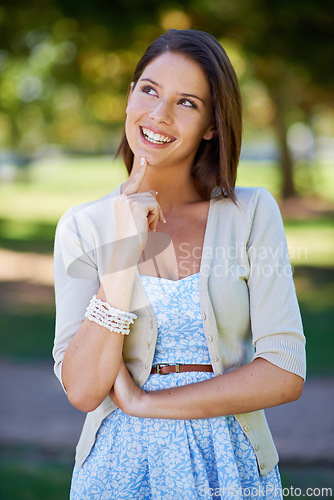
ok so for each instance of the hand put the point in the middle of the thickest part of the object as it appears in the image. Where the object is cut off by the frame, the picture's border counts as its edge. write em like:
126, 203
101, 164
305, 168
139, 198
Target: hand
137, 213
125, 393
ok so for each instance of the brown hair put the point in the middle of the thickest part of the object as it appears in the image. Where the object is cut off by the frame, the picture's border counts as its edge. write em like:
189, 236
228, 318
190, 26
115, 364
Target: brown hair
216, 161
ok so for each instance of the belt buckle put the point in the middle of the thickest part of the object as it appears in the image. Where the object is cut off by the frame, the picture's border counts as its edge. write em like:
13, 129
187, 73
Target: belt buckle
159, 368
177, 368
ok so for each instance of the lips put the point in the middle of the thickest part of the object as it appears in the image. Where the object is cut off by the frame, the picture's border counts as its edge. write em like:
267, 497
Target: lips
155, 137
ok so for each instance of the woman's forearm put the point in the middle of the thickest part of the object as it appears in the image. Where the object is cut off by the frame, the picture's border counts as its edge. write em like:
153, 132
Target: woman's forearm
257, 385
92, 358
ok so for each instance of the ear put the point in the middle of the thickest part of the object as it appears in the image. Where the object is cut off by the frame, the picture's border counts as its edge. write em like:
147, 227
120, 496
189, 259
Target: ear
210, 133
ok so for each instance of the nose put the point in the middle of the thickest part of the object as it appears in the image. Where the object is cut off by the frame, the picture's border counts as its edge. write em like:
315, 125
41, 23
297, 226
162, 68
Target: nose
161, 112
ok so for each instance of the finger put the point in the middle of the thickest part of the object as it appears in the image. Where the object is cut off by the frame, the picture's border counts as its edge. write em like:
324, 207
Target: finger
144, 196
154, 216
152, 221
161, 217
158, 216
137, 179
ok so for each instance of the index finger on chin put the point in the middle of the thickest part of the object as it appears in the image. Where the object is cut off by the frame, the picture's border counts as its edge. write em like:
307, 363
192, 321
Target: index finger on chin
137, 179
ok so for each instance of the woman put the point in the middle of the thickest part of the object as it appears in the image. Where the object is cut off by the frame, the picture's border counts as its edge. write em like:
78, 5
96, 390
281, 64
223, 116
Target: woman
165, 287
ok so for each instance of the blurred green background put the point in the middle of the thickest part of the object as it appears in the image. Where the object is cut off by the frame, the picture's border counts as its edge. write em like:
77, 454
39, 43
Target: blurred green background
65, 67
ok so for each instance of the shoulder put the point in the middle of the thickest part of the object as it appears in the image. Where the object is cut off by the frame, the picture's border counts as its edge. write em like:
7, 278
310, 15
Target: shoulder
81, 231
91, 211
248, 200
251, 197
255, 213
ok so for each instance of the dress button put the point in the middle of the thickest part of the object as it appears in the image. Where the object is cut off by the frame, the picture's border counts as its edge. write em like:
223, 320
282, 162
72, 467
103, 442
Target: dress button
262, 466
204, 316
152, 324
215, 358
210, 339
145, 365
247, 428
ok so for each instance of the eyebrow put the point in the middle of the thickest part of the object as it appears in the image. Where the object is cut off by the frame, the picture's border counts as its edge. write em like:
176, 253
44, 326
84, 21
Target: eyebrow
180, 93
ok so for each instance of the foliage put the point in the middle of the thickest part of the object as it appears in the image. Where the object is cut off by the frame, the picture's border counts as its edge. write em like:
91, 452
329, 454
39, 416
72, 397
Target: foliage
65, 65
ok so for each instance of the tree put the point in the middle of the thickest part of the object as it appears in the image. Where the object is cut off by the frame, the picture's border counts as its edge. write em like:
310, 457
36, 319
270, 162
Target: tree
65, 65
290, 48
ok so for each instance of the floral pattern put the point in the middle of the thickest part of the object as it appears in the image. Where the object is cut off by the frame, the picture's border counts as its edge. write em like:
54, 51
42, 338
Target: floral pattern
161, 459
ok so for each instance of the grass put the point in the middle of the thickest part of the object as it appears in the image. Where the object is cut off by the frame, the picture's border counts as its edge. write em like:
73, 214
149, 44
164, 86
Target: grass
21, 480
52, 186
301, 478
32, 335
27, 235
36, 480
55, 185
311, 242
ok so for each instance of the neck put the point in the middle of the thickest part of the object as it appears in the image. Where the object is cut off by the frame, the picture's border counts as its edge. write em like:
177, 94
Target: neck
175, 186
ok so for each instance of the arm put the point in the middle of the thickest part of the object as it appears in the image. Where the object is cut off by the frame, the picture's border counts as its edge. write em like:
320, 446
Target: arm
93, 353
255, 386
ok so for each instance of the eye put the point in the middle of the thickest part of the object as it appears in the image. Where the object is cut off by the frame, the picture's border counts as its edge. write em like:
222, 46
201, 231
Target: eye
187, 103
147, 89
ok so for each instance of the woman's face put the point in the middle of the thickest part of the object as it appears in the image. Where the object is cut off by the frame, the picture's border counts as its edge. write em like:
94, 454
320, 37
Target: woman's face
169, 111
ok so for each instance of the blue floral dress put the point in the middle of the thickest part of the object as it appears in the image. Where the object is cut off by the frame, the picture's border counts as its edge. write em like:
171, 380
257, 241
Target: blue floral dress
161, 459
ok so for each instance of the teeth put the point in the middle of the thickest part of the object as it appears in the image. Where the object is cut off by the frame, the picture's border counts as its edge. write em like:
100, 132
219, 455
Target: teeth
155, 138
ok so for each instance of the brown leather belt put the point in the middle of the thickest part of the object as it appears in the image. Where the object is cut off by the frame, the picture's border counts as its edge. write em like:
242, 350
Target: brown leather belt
165, 368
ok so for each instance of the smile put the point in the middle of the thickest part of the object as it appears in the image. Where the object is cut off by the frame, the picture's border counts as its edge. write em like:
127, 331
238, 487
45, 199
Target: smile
155, 138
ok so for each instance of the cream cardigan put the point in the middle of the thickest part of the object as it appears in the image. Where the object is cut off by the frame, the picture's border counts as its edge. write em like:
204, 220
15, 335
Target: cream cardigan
247, 298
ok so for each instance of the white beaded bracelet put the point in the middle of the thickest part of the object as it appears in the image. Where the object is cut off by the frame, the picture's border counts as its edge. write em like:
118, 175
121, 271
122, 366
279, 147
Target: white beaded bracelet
109, 317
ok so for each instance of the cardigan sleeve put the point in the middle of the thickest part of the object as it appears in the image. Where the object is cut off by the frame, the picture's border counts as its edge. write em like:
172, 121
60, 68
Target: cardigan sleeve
274, 312
76, 280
